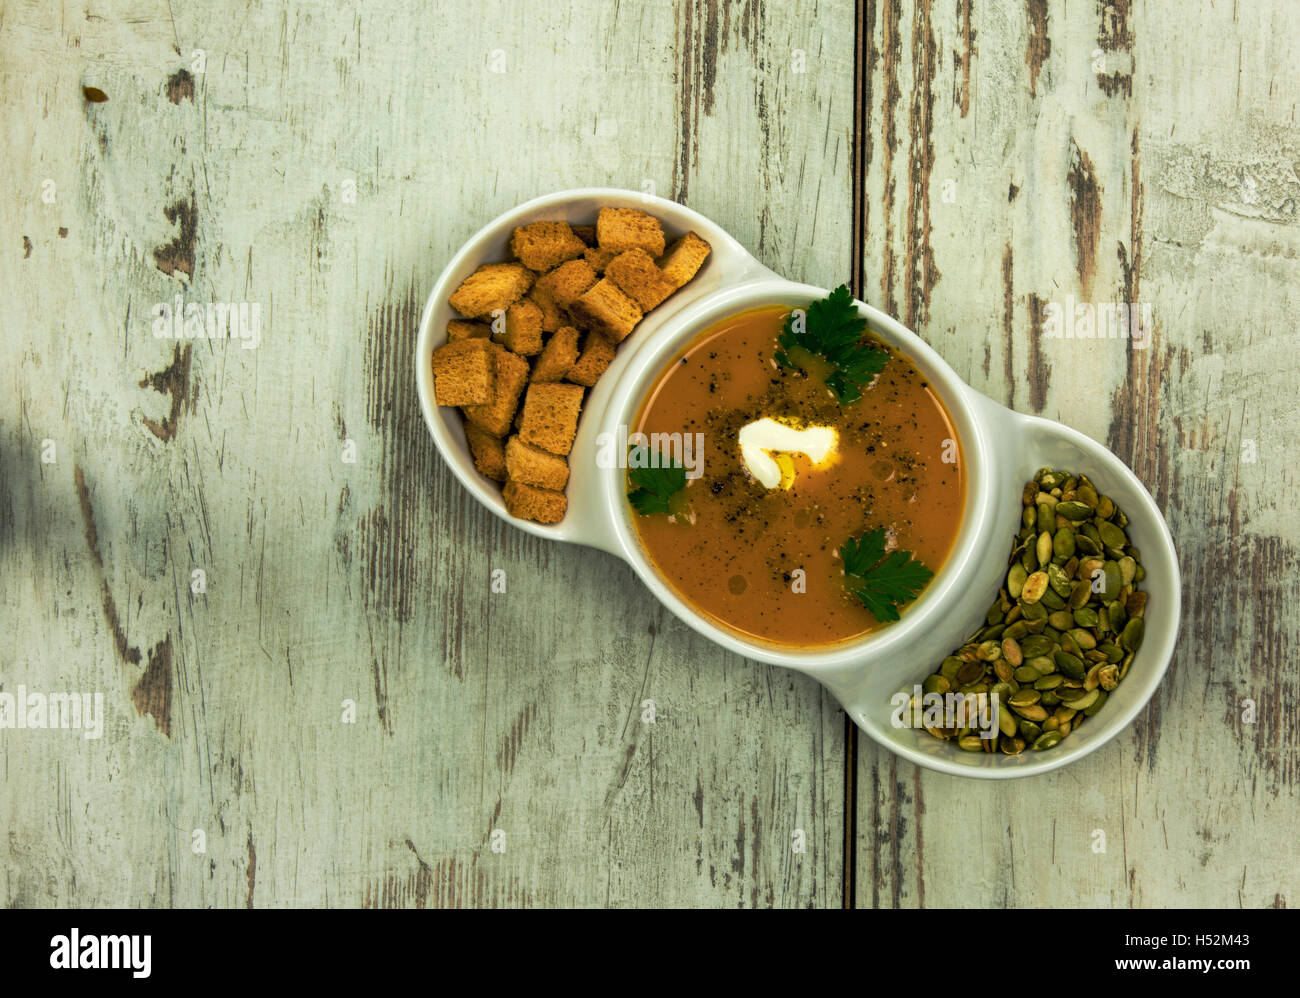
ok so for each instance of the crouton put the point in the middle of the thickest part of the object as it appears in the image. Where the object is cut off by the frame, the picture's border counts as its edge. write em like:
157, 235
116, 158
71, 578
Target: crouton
521, 328
539, 505
567, 281
553, 317
529, 465
605, 309
512, 374
637, 276
543, 245
598, 258
622, 229
587, 233
597, 352
550, 417
463, 373
458, 329
488, 452
493, 286
683, 259
558, 356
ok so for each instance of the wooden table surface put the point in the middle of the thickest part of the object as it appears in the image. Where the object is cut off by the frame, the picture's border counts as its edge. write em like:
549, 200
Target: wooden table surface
312, 694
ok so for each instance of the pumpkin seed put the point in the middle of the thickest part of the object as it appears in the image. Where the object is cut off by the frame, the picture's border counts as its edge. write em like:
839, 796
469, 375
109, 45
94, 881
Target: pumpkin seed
1133, 633
936, 684
1031, 712
1035, 586
1112, 536
1063, 631
1044, 548
1073, 510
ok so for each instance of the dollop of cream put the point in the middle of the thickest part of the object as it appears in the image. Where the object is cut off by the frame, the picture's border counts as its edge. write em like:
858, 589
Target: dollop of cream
764, 437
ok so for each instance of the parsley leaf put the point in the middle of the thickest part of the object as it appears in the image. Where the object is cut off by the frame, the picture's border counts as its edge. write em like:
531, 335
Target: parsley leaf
833, 331
882, 582
655, 487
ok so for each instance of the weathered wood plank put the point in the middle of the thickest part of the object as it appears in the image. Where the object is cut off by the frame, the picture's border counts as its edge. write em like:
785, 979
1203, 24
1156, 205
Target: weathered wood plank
1107, 152
329, 581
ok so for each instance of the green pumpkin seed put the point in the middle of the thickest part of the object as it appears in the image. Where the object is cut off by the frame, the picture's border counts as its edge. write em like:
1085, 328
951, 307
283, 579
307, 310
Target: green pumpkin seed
1069, 665
1051, 600
1073, 510
936, 684
1063, 632
1032, 712
1061, 620
1044, 548
1134, 630
1035, 645
1110, 571
1063, 545
1112, 536
1043, 665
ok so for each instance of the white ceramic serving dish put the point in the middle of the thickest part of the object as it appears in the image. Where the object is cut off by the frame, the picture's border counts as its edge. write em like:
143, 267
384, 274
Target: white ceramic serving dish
1002, 450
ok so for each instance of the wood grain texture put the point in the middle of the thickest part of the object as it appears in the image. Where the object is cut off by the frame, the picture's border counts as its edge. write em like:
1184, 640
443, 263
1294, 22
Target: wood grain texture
477, 712
997, 157
1105, 151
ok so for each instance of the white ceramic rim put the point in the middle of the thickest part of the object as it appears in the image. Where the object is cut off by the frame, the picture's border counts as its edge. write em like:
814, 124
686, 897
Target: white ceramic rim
731, 281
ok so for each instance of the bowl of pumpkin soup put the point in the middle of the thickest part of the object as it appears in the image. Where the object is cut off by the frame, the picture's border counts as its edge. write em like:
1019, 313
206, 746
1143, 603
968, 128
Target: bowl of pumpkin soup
805, 481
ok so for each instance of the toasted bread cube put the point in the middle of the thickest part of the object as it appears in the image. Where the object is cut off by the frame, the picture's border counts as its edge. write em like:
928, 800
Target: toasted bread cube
459, 329
558, 356
622, 229
553, 317
530, 465
567, 281
463, 373
606, 310
488, 452
683, 259
637, 276
550, 417
539, 505
493, 286
522, 328
587, 233
597, 353
598, 258
543, 245
512, 375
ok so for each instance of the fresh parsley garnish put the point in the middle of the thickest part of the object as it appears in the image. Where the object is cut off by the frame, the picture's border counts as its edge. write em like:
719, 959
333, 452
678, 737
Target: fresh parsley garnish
655, 487
882, 582
833, 331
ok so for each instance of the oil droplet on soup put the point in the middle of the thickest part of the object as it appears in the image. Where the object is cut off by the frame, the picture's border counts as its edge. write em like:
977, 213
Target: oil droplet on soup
765, 563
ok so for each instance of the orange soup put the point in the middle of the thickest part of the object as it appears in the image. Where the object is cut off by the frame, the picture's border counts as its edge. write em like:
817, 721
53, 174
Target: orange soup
767, 560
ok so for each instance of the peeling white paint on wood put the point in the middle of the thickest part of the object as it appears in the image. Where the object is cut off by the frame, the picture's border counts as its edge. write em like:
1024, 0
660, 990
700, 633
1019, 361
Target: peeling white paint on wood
323, 164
